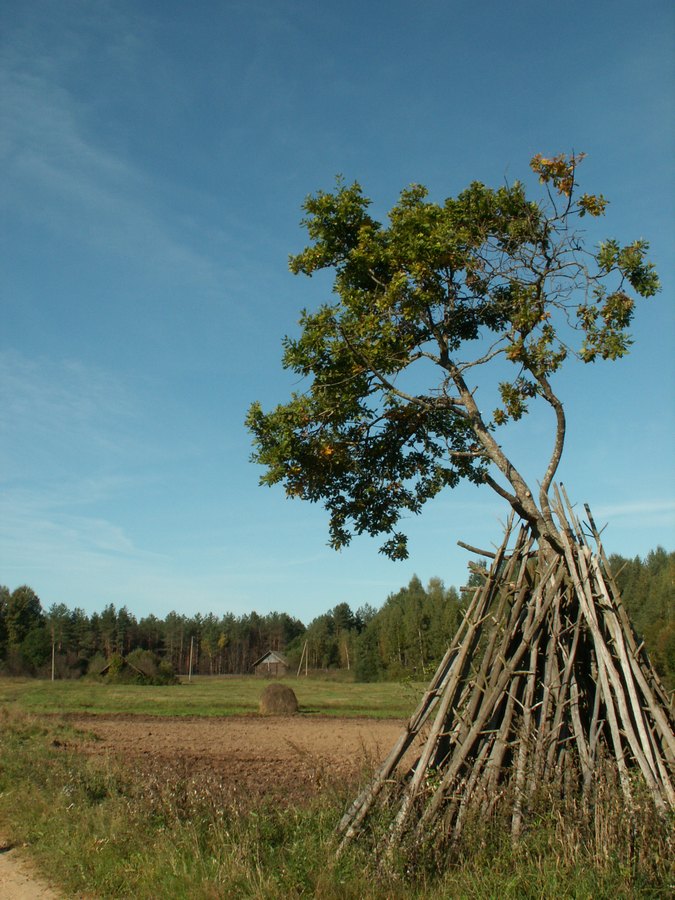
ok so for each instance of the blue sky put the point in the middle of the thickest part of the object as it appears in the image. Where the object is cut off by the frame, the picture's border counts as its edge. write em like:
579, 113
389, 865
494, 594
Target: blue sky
155, 157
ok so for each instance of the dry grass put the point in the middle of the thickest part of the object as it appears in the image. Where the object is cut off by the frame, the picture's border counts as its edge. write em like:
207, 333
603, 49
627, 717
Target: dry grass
100, 828
278, 700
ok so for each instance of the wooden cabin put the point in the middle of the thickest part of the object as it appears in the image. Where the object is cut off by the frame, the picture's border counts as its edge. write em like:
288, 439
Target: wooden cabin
271, 665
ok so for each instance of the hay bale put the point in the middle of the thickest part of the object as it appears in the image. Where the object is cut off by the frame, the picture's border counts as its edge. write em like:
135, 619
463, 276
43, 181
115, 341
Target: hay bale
278, 700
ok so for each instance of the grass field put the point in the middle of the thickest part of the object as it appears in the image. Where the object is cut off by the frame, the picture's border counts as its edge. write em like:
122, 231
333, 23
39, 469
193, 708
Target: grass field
103, 829
208, 696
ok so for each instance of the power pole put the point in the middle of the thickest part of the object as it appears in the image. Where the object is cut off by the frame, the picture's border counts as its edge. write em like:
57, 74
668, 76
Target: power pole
304, 650
192, 644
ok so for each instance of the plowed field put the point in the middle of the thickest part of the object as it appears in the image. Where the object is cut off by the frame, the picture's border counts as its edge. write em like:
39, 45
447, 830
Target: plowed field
283, 759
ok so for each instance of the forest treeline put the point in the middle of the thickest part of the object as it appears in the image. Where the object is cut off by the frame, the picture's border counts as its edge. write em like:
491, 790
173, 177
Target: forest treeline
405, 637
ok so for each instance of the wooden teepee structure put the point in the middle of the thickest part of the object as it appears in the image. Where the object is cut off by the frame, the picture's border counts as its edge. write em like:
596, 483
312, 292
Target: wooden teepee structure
544, 684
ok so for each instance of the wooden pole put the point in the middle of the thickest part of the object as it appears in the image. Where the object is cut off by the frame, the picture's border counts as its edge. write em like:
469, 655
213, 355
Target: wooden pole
192, 644
302, 656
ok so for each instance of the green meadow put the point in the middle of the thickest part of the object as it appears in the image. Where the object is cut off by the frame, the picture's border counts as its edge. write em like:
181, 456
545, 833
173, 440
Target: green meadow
98, 829
207, 696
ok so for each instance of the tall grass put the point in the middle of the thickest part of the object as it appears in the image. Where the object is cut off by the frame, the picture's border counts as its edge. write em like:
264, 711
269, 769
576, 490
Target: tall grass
107, 830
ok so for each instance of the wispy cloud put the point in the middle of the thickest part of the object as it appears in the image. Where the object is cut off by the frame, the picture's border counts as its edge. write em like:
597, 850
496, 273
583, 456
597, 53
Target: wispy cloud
56, 414
39, 533
637, 510
57, 176
67, 433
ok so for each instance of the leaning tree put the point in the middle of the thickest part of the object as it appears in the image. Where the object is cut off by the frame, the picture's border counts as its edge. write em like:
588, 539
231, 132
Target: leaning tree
545, 683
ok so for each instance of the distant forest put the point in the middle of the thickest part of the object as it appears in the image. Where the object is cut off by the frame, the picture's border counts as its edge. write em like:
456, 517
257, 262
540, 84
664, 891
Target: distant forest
405, 638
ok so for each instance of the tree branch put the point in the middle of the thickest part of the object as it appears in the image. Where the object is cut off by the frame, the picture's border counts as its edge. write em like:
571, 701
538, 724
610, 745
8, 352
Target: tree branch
559, 443
521, 501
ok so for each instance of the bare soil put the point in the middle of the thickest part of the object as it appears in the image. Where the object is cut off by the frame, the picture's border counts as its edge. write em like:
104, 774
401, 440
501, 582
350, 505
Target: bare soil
18, 880
279, 758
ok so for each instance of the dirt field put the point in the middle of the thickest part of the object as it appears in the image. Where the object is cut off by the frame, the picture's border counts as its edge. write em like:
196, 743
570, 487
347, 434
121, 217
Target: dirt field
246, 760
276, 758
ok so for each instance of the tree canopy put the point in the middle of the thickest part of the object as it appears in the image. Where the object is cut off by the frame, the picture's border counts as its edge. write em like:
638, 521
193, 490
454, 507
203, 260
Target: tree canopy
488, 281
406, 635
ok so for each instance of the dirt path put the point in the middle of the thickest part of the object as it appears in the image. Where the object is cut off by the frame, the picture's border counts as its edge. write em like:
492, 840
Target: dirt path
17, 878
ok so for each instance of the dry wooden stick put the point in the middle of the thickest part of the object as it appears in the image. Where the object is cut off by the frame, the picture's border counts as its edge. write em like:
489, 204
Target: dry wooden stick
360, 807
446, 703
462, 751
494, 764
638, 652
550, 682
489, 661
658, 711
620, 688
594, 733
524, 741
453, 660
627, 671
603, 660
582, 745
468, 792
586, 686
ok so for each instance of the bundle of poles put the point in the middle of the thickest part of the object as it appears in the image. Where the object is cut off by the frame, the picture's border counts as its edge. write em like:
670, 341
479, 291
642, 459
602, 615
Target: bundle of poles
545, 684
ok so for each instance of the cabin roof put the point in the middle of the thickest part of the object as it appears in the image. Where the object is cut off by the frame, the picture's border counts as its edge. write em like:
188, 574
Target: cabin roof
272, 656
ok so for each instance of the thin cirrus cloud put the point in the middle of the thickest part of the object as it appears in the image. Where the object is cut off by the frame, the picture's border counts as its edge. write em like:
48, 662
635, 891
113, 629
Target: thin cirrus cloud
61, 548
59, 178
642, 511
61, 410
54, 537
75, 426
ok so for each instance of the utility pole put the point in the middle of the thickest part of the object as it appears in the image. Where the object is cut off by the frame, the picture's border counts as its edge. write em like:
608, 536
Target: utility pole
304, 650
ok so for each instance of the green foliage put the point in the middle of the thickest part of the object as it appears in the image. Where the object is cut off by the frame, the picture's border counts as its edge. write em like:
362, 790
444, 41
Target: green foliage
23, 613
405, 638
24, 644
226, 645
155, 670
35, 648
410, 634
139, 667
329, 640
96, 664
422, 305
4, 600
368, 664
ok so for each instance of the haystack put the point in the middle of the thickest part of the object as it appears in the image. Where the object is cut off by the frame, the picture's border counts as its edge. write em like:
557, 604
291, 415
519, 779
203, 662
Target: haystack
278, 700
